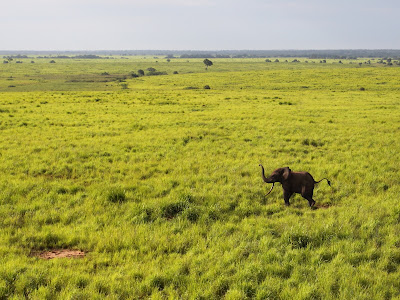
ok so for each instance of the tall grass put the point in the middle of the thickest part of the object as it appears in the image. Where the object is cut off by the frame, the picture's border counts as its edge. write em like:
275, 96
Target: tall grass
160, 184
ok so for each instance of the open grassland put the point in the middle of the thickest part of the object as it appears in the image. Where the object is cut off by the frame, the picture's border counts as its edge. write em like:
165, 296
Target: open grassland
107, 74
157, 180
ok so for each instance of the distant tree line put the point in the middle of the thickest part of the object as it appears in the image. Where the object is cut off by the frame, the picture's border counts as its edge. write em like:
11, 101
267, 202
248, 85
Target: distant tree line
310, 54
386, 61
15, 56
86, 56
206, 55
170, 54
316, 54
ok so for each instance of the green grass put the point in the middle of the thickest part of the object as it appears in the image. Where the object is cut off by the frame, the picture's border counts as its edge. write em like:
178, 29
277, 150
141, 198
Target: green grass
159, 182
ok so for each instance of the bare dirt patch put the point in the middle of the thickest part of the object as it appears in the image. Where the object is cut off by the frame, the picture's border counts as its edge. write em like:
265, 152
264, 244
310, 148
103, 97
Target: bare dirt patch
323, 206
59, 253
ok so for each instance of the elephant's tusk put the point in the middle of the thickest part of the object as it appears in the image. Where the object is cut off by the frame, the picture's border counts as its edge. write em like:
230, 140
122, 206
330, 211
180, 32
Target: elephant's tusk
271, 189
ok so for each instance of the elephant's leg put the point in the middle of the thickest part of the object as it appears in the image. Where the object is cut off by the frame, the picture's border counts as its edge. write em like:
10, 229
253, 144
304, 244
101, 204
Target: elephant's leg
286, 197
311, 201
309, 196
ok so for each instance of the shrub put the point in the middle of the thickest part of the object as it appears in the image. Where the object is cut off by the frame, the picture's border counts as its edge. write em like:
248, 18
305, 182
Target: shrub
307, 142
155, 73
285, 103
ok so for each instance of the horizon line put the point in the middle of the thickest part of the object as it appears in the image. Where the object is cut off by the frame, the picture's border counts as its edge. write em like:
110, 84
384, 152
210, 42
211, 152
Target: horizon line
202, 50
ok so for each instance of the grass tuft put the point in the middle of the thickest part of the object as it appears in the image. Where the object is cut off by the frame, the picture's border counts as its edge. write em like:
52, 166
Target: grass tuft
116, 195
171, 210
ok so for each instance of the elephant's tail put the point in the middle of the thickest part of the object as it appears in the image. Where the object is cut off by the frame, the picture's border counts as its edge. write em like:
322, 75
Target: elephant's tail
329, 183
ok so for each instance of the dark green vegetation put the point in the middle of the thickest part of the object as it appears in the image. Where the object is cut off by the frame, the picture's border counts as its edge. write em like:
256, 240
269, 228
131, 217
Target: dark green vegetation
157, 180
336, 54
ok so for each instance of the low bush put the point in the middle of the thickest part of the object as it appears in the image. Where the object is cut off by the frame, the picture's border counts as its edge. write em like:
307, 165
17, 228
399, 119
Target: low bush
156, 73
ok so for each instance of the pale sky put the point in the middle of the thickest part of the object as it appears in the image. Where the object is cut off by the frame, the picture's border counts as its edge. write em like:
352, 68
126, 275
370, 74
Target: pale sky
199, 24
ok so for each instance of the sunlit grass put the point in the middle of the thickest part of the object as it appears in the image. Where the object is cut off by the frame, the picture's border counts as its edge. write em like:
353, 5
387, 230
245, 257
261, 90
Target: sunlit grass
160, 184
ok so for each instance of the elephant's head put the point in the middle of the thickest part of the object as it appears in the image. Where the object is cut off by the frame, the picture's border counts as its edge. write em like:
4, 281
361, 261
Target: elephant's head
279, 175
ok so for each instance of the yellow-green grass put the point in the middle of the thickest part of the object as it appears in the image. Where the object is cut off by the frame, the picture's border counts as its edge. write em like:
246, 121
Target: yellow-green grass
107, 74
159, 182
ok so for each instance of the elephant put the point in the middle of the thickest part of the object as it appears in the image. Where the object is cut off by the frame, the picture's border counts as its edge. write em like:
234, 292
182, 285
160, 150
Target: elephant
293, 182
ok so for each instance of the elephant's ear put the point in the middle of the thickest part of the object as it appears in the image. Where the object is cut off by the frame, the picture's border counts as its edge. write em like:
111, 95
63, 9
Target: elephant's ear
286, 173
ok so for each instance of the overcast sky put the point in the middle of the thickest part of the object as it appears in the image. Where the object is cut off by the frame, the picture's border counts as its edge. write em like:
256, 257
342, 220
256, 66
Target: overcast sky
199, 24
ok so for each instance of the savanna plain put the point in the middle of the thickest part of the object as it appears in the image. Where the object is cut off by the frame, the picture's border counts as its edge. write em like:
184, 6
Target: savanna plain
157, 179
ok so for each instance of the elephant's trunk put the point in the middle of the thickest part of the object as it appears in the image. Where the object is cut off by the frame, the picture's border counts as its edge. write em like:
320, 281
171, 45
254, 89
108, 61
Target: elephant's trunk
266, 180
263, 175
270, 189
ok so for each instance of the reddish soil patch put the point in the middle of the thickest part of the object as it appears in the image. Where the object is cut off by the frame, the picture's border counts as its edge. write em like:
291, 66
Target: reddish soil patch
323, 206
62, 253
